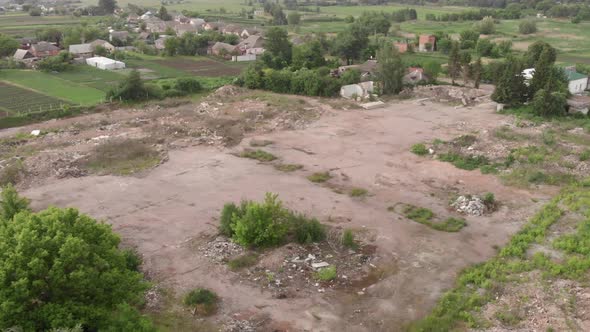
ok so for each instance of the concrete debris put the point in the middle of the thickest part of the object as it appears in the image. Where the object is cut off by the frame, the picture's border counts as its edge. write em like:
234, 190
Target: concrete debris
471, 205
372, 105
221, 249
70, 172
36, 132
445, 93
319, 265
239, 326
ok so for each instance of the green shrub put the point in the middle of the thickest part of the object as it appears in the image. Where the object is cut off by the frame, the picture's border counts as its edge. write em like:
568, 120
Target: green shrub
419, 149
259, 155
449, 225
187, 85
489, 199
464, 162
242, 261
11, 173
229, 214
348, 239
419, 214
319, 177
262, 224
259, 143
358, 192
308, 231
326, 274
585, 155
203, 299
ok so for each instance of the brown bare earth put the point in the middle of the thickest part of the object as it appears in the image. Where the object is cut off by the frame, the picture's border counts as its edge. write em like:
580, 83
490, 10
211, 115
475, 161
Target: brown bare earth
169, 212
207, 68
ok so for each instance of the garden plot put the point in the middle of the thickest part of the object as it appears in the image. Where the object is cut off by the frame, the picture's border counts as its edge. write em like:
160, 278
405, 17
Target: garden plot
17, 100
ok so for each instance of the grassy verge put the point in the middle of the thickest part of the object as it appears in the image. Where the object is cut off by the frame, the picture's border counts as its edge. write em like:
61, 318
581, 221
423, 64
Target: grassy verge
259, 155
479, 284
426, 217
319, 177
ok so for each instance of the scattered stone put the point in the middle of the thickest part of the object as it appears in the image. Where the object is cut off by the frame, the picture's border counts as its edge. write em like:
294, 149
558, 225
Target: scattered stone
472, 205
221, 249
319, 265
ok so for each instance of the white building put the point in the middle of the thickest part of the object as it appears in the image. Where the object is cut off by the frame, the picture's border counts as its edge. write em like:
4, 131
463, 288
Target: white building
577, 83
105, 63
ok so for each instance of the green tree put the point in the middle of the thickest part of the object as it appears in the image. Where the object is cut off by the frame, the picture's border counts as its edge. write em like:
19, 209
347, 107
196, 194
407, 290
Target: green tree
107, 6
486, 26
100, 50
60, 269
533, 53
547, 103
510, 88
527, 27
373, 23
8, 45
131, 88
278, 46
163, 14
390, 70
171, 45
11, 203
543, 71
294, 18
308, 55
350, 43
432, 69
454, 65
476, 72
468, 39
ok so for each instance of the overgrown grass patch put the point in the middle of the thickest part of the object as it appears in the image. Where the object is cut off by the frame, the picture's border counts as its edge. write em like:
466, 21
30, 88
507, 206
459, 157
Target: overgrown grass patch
122, 157
419, 149
319, 177
358, 192
203, 300
427, 217
326, 274
12, 173
348, 240
464, 162
259, 155
243, 261
288, 167
260, 143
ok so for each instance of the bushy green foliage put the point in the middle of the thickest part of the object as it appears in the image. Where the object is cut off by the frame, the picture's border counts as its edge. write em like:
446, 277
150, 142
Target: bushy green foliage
527, 27
449, 225
8, 45
203, 299
12, 203
308, 230
61, 269
187, 85
326, 274
348, 240
229, 215
319, 177
259, 155
419, 214
130, 89
419, 149
58, 63
262, 224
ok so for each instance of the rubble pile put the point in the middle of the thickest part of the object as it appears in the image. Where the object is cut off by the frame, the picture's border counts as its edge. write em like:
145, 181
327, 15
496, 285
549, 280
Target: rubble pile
471, 205
445, 93
221, 249
239, 326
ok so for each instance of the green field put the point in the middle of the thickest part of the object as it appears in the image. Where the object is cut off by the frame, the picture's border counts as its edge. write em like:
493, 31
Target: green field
16, 100
55, 85
24, 25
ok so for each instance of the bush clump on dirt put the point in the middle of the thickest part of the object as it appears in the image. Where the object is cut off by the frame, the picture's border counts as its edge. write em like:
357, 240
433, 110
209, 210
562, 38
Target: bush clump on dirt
203, 300
229, 214
262, 224
242, 261
266, 224
326, 274
319, 177
11, 173
464, 162
122, 157
308, 231
259, 155
419, 149
348, 240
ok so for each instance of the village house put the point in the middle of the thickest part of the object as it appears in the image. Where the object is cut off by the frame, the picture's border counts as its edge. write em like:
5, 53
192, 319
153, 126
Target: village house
249, 32
133, 19
181, 29
577, 82
197, 22
402, 47
159, 43
414, 76
155, 25
231, 29
44, 49
367, 69
223, 49
426, 43
147, 15
23, 56
252, 45
145, 36
99, 42
81, 50
26, 42
122, 36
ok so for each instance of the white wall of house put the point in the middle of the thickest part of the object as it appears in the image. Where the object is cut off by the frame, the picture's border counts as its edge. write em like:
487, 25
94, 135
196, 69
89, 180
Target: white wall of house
578, 86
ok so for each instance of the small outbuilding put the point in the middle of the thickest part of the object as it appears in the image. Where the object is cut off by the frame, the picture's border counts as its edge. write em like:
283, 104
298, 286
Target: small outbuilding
105, 63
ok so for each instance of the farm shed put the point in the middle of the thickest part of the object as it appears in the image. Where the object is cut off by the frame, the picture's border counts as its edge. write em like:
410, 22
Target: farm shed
105, 63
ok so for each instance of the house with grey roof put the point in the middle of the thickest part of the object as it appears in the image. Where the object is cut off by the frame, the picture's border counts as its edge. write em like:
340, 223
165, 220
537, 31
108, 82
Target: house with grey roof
82, 50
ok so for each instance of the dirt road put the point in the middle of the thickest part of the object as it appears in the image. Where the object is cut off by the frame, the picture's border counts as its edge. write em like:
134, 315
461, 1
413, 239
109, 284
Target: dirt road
169, 211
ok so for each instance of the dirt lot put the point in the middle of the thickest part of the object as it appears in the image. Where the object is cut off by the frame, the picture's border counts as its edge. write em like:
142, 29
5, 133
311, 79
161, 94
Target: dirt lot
170, 213
204, 67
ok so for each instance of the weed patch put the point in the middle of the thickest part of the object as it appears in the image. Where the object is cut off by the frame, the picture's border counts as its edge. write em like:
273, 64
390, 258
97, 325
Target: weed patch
426, 217
358, 192
288, 167
326, 274
260, 143
464, 162
122, 157
242, 262
308, 230
259, 155
419, 149
203, 300
319, 177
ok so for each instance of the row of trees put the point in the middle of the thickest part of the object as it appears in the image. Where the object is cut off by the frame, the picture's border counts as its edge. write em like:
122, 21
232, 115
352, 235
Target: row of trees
475, 15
